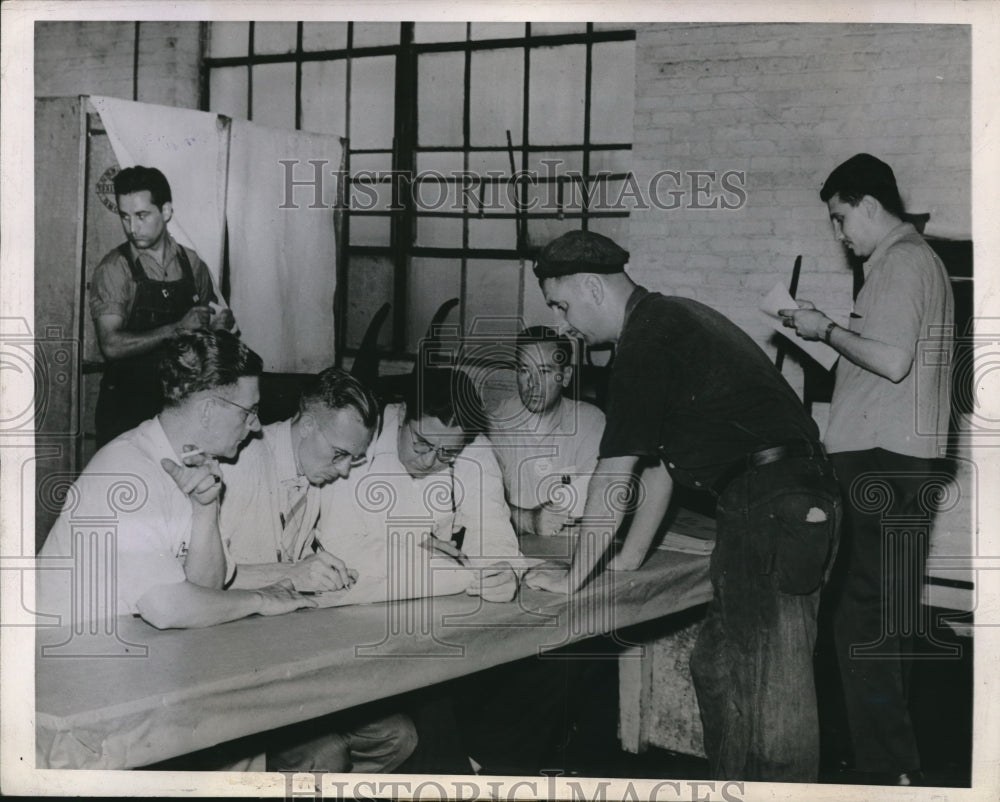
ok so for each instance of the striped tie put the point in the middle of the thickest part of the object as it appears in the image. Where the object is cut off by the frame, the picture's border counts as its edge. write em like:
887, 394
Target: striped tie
291, 522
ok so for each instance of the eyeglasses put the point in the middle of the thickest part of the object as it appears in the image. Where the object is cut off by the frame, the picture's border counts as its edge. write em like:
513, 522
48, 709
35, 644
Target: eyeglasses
444, 454
341, 456
251, 412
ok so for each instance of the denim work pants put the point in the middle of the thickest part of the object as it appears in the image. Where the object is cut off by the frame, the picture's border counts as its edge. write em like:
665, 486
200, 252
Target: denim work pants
875, 594
777, 533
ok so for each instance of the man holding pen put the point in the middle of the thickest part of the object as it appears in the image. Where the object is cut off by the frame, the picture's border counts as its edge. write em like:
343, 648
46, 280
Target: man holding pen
272, 506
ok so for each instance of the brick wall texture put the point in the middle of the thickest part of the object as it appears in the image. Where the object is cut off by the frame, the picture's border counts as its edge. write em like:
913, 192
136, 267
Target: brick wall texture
784, 104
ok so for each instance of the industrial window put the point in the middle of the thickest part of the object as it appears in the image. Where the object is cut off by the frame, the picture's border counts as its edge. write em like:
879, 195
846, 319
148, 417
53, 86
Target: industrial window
470, 145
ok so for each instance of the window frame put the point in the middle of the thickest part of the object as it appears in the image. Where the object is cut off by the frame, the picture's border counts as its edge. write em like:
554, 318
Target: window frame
403, 217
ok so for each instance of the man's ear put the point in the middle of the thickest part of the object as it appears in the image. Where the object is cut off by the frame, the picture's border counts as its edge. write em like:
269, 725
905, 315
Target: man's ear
567, 375
594, 286
205, 412
871, 206
167, 210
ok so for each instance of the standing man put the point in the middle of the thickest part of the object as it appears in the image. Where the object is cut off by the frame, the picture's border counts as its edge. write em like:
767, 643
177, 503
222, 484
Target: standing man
170, 563
888, 420
144, 292
694, 400
546, 444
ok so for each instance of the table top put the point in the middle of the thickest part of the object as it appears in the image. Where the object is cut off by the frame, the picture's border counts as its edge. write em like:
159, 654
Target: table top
147, 695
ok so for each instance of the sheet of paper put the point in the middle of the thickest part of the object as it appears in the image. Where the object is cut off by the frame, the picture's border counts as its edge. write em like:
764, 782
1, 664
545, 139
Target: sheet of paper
445, 578
778, 298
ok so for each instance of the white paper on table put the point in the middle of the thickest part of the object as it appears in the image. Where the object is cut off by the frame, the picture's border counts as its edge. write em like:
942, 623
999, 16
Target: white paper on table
442, 577
778, 298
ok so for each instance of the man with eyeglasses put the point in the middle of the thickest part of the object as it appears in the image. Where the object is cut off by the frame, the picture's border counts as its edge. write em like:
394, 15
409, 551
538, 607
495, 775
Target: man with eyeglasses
164, 479
270, 512
268, 522
431, 467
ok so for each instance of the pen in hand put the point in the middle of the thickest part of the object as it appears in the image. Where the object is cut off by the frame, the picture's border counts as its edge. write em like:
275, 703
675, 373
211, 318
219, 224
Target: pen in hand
432, 544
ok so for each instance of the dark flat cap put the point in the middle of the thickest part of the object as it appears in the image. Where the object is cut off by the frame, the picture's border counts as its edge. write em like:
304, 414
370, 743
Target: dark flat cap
580, 252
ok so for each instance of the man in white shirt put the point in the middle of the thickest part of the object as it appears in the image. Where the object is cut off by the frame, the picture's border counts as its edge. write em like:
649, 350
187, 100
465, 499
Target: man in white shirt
161, 482
429, 469
268, 523
546, 444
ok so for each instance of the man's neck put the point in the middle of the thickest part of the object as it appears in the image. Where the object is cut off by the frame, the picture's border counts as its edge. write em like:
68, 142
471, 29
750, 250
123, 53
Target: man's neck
157, 252
179, 431
550, 415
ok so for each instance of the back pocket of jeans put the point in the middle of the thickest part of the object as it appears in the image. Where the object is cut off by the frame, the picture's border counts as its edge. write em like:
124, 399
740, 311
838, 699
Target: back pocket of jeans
802, 527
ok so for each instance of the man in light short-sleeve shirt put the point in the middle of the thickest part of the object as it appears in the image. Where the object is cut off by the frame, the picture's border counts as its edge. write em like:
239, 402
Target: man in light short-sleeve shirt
888, 420
160, 484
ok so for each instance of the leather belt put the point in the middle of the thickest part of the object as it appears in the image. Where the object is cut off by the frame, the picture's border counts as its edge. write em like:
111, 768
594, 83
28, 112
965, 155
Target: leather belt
796, 448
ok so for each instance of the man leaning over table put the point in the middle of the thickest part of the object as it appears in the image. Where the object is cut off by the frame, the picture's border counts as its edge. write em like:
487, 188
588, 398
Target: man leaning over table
268, 523
171, 567
694, 400
432, 462
432, 456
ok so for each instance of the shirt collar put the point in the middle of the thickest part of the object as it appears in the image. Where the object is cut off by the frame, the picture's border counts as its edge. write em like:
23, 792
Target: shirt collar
895, 235
170, 247
284, 453
385, 443
633, 301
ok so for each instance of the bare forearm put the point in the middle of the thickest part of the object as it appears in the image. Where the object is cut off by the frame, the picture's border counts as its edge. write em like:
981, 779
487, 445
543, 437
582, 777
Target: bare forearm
885, 360
184, 605
257, 575
122, 344
602, 516
205, 564
656, 490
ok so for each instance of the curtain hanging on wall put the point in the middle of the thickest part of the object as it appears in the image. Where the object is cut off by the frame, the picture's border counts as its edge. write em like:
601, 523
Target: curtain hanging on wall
283, 268
190, 148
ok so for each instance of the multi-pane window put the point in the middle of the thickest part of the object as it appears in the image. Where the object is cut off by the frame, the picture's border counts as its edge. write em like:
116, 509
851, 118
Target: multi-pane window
470, 145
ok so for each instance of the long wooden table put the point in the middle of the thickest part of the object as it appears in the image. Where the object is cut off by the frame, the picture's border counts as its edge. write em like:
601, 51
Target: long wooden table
176, 691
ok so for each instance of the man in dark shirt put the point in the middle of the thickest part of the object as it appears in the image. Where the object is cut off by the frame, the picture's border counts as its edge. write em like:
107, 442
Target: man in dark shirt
694, 401
144, 293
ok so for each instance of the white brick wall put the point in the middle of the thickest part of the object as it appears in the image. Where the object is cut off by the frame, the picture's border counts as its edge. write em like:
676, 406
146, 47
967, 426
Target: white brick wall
97, 58
786, 103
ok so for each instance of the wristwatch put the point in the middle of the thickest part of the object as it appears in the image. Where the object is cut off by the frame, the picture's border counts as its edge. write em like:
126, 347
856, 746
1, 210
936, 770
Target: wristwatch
829, 330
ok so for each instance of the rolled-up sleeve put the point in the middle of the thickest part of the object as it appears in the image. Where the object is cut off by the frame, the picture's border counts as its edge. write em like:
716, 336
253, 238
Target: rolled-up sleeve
111, 288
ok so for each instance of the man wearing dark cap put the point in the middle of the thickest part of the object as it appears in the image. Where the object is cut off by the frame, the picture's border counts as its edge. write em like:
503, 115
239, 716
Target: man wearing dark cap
888, 420
695, 401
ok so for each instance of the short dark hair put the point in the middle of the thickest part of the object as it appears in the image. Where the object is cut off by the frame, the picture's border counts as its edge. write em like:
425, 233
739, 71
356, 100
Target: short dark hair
533, 335
139, 178
862, 175
204, 360
335, 389
447, 394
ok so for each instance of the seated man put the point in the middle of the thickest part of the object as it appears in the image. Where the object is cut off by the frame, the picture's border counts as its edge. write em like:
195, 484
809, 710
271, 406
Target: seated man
268, 522
171, 568
546, 444
272, 503
435, 431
